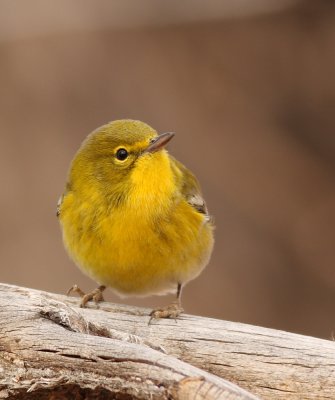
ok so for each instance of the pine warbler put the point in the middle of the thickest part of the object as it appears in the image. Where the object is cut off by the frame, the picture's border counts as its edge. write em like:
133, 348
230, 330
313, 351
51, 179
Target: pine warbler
133, 217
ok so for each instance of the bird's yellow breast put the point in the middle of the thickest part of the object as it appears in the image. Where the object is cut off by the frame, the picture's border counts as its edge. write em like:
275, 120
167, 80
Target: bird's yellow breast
148, 243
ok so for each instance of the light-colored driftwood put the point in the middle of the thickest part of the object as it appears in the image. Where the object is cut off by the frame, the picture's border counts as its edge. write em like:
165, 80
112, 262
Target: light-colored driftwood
49, 345
49, 349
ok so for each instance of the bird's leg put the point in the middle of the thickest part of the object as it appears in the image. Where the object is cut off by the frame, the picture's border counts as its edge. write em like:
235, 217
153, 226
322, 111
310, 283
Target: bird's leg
173, 310
95, 295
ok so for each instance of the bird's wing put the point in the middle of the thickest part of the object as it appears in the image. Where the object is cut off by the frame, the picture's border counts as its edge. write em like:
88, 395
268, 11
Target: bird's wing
59, 204
61, 199
189, 187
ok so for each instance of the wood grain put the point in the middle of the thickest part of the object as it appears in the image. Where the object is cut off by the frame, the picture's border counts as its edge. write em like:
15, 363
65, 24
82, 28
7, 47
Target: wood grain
51, 347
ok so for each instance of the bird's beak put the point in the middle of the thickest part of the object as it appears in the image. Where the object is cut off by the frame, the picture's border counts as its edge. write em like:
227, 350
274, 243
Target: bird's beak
159, 142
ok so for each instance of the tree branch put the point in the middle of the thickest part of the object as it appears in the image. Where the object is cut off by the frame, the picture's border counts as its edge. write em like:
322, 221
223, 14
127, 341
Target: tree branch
50, 345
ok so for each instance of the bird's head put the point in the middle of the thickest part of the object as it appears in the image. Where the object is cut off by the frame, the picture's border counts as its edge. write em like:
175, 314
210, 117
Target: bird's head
116, 154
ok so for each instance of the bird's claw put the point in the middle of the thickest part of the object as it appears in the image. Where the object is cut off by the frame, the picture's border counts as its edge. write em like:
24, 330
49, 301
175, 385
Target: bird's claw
171, 311
95, 295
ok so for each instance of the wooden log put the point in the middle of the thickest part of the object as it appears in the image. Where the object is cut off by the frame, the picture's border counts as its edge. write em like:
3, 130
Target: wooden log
50, 346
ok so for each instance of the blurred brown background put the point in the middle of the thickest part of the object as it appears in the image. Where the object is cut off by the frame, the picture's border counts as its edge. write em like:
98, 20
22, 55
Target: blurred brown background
249, 88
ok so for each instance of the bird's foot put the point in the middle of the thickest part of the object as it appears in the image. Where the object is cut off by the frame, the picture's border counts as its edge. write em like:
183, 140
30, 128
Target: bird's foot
173, 310
95, 295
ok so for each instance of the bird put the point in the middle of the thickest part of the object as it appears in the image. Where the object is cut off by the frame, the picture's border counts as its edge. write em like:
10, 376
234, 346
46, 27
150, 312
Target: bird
133, 217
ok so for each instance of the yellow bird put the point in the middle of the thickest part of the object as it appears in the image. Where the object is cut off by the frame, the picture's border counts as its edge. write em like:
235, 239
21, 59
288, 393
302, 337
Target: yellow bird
132, 216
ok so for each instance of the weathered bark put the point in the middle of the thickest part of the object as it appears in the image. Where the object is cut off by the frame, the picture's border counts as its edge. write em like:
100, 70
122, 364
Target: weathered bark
51, 347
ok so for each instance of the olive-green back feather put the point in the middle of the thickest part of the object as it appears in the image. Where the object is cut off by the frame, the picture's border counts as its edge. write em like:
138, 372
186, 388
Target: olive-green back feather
190, 187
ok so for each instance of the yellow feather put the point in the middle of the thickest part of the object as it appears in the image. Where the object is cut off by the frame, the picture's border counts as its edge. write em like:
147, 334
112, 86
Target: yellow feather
129, 225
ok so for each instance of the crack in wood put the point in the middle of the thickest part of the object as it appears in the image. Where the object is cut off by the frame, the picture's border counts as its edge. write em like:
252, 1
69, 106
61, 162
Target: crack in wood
65, 316
273, 364
277, 389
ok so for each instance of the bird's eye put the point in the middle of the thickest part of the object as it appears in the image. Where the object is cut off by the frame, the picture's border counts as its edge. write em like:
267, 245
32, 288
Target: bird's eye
121, 154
